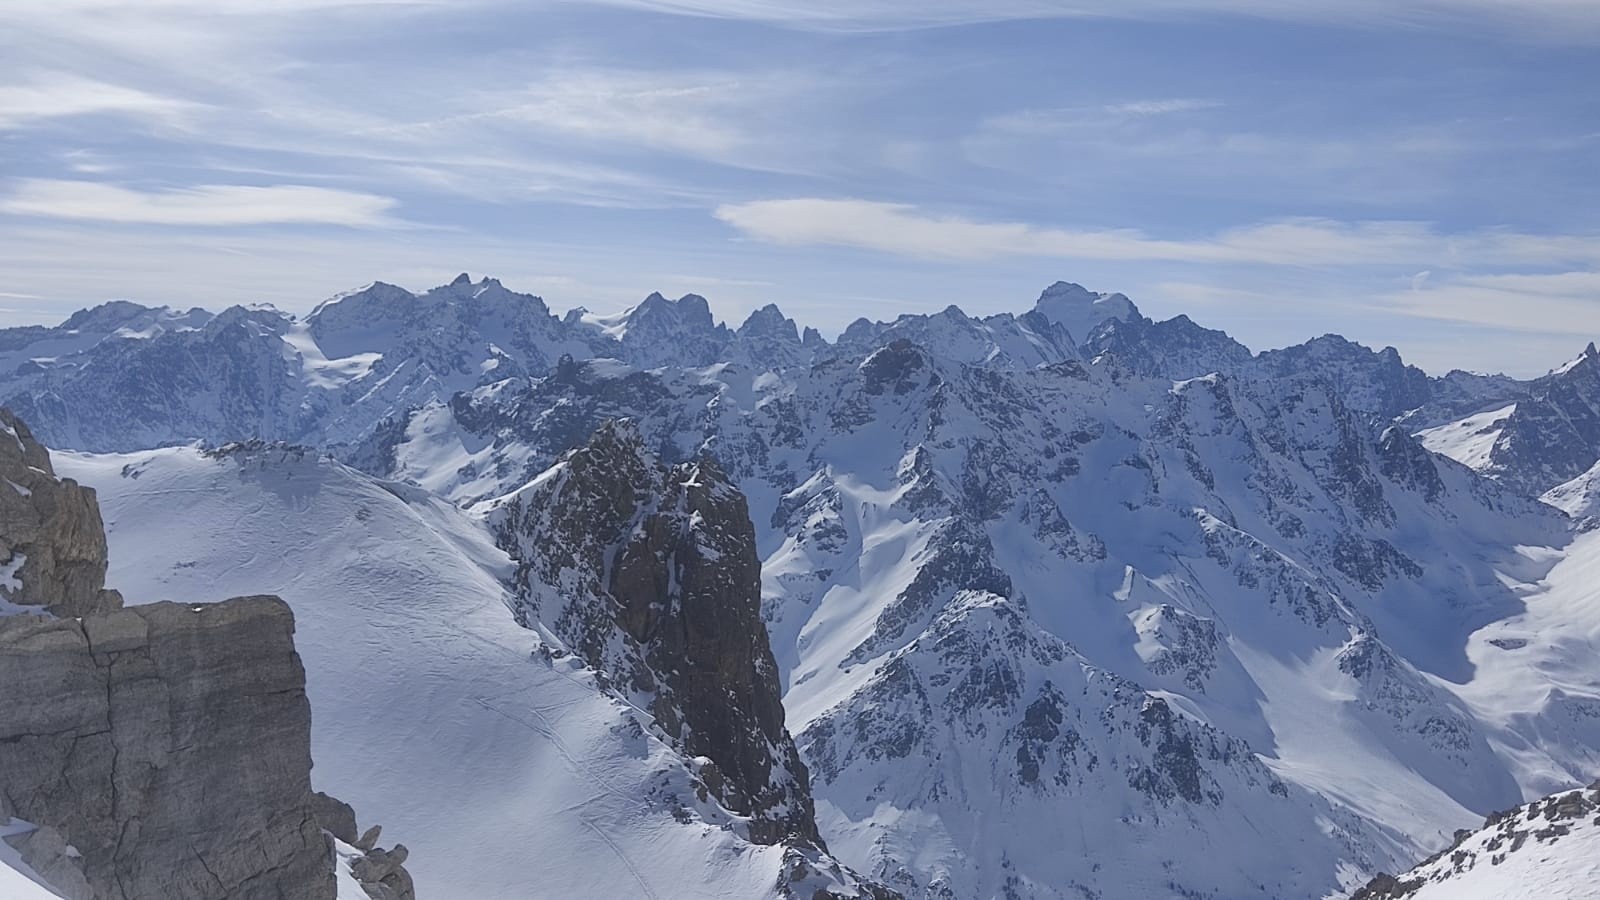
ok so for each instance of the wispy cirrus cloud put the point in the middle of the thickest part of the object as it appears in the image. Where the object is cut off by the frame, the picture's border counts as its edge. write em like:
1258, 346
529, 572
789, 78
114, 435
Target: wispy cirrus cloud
906, 230
56, 95
1552, 303
204, 205
1560, 20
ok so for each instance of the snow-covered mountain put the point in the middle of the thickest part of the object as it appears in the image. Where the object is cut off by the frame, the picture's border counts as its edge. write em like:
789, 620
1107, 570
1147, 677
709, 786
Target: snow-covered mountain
1546, 436
506, 765
1210, 545
1072, 566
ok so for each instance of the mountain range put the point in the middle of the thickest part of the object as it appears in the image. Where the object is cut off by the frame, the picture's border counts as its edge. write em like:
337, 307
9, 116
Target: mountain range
1067, 603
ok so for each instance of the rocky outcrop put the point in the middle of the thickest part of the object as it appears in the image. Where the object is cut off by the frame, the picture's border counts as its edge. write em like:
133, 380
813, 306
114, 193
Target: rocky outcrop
650, 574
161, 750
52, 543
170, 745
381, 873
1553, 838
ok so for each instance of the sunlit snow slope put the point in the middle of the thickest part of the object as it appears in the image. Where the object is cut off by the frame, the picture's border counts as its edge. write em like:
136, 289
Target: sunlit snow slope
1548, 849
506, 774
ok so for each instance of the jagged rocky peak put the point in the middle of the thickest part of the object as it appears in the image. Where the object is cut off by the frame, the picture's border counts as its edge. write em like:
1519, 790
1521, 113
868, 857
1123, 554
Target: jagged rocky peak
116, 315
666, 603
690, 309
768, 340
1589, 358
770, 322
1375, 381
1079, 309
388, 306
53, 544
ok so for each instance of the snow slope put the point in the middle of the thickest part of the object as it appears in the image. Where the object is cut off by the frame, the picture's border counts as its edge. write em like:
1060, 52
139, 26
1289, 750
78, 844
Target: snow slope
1548, 849
1266, 563
505, 771
1468, 441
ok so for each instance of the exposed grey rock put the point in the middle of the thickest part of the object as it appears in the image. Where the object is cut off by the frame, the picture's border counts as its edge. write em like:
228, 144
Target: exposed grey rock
170, 745
669, 565
335, 816
160, 751
47, 852
53, 526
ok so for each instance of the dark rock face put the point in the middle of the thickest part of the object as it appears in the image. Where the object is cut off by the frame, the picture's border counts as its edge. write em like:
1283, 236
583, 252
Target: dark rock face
1372, 381
1553, 435
52, 543
666, 561
170, 745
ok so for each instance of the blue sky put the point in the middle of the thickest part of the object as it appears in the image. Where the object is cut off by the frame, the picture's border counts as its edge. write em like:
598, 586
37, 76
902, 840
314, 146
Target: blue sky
1422, 174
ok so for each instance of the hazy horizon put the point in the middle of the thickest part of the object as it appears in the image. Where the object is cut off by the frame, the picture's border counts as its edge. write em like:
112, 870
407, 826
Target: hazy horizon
1401, 174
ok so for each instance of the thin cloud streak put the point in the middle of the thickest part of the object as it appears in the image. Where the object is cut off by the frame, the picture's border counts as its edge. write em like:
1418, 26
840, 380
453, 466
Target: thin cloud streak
210, 204
905, 230
1561, 303
58, 95
1562, 21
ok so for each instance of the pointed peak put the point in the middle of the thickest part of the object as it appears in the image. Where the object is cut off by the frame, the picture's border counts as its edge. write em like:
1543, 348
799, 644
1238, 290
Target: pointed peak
770, 320
461, 279
1588, 360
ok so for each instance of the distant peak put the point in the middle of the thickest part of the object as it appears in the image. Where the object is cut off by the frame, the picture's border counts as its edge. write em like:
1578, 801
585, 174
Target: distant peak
1079, 309
1067, 289
770, 320
461, 279
1587, 360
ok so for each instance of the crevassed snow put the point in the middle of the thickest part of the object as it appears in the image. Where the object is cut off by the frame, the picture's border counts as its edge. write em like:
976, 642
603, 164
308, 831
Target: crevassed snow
506, 774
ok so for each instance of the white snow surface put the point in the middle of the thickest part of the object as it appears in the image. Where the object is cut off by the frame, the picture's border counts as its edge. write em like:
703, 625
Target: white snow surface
1004, 587
1469, 440
1345, 602
508, 775
1494, 864
1578, 498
